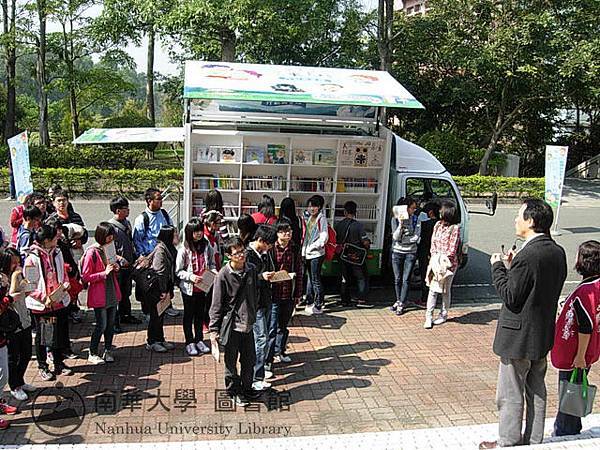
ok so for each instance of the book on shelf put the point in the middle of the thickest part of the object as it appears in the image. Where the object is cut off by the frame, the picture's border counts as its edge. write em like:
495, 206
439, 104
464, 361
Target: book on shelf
276, 154
367, 185
214, 181
311, 184
228, 154
206, 154
264, 183
324, 157
361, 153
303, 157
255, 155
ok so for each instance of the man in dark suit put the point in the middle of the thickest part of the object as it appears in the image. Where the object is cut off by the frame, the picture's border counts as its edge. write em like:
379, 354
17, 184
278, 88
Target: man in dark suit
529, 285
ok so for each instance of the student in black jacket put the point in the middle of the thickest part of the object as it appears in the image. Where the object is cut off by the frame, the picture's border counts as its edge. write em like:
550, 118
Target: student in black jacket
258, 254
529, 284
236, 288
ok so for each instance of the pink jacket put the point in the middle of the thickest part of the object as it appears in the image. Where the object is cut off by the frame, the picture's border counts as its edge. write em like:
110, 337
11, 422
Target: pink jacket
92, 272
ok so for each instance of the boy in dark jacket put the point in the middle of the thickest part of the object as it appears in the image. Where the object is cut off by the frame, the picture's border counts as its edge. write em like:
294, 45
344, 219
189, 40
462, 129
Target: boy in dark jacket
236, 279
258, 255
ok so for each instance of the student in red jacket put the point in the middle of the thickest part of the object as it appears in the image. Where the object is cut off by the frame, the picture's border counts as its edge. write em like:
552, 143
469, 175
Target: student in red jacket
576, 336
103, 290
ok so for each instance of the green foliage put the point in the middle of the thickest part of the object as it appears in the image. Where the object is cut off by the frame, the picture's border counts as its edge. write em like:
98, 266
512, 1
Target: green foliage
507, 187
455, 153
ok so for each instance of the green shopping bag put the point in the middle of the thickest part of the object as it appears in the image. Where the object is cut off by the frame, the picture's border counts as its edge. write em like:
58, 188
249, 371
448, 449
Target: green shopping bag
576, 399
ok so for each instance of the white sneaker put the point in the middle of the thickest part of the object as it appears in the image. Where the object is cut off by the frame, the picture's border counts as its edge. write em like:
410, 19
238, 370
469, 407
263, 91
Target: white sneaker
268, 374
156, 347
308, 309
19, 394
261, 385
95, 359
282, 359
191, 350
172, 312
168, 345
316, 310
202, 347
428, 323
28, 388
108, 357
440, 320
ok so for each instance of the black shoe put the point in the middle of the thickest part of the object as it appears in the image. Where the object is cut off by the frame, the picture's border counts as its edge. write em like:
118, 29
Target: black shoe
253, 394
70, 355
131, 320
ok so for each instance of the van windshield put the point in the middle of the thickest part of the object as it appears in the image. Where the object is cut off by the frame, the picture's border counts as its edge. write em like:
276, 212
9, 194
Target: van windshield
426, 190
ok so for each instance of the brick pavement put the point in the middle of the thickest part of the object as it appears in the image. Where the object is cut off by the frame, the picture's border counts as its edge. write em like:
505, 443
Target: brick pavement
353, 371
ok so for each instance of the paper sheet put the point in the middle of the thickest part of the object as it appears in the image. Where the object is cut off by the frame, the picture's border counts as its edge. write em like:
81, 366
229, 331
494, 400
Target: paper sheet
282, 275
58, 295
110, 252
215, 350
31, 276
400, 212
162, 305
206, 280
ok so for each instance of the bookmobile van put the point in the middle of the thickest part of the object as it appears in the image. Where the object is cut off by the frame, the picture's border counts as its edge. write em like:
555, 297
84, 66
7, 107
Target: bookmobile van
252, 129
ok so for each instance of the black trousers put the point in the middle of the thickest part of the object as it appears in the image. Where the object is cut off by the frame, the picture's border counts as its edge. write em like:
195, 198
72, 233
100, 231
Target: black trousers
423, 258
240, 345
124, 280
61, 339
195, 308
156, 332
19, 355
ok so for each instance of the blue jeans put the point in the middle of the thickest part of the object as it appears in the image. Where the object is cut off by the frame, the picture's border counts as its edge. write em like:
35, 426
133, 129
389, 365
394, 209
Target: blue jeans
105, 324
314, 287
261, 341
402, 263
566, 424
281, 313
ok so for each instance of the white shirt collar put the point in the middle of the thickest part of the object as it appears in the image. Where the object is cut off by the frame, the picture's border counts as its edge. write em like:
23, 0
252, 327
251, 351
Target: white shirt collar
530, 238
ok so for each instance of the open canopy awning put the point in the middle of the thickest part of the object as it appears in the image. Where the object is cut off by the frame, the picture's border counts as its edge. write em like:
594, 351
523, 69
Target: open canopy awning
130, 135
261, 82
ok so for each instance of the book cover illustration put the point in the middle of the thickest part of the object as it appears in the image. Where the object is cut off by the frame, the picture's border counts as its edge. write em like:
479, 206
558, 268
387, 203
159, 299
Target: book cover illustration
324, 157
303, 157
361, 153
229, 154
276, 154
255, 155
207, 154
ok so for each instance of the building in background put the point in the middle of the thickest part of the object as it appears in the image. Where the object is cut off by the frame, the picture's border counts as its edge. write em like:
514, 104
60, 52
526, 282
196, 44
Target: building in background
411, 7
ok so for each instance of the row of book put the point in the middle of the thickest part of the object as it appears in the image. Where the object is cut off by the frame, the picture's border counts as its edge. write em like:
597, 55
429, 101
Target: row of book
311, 184
357, 185
262, 183
220, 181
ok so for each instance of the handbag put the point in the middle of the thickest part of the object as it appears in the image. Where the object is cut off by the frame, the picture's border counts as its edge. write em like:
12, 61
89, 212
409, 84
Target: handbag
351, 253
576, 399
146, 281
48, 331
228, 321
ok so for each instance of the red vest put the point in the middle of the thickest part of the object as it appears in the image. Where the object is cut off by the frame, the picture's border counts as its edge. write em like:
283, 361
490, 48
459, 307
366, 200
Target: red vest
566, 338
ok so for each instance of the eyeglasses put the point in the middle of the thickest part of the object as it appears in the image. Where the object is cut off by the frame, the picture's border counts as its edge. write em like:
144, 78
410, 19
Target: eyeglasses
242, 253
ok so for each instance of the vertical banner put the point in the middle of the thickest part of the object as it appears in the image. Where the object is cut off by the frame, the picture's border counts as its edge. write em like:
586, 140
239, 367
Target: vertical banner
19, 155
556, 162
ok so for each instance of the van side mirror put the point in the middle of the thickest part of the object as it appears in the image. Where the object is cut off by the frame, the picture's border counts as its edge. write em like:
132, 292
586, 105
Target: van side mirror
491, 204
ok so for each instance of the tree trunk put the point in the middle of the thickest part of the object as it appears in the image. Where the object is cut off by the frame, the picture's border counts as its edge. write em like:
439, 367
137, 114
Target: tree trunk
41, 76
68, 58
228, 43
9, 20
150, 112
491, 148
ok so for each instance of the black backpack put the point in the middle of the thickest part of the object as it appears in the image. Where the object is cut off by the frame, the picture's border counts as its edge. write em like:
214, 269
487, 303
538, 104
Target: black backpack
9, 323
146, 282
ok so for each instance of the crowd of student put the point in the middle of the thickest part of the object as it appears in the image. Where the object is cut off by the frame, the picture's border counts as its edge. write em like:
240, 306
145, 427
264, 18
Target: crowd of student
243, 306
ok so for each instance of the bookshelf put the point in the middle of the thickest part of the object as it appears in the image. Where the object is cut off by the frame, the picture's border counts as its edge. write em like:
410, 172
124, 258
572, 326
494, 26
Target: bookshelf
244, 165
